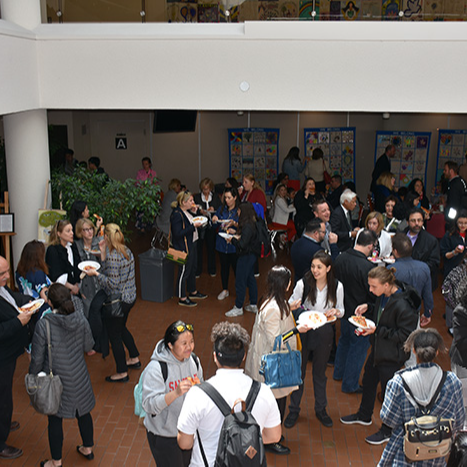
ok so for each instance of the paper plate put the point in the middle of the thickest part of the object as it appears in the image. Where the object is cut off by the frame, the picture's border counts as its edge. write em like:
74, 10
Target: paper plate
225, 235
314, 319
370, 324
201, 219
389, 260
84, 265
374, 260
32, 306
331, 319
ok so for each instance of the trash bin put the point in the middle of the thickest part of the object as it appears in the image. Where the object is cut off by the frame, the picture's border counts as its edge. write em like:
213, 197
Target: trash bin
157, 276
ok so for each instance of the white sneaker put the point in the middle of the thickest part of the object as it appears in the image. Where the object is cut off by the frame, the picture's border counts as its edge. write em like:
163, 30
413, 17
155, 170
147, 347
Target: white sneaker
234, 312
223, 294
251, 308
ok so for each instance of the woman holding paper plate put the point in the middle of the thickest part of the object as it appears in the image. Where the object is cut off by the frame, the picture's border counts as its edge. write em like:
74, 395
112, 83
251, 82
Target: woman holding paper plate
273, 319
321, 292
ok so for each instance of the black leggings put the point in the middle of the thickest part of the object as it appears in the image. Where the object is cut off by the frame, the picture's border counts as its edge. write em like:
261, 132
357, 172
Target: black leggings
228, 260
55, 429
166, 451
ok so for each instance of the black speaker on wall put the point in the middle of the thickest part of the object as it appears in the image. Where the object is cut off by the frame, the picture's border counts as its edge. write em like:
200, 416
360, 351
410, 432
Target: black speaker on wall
174, 121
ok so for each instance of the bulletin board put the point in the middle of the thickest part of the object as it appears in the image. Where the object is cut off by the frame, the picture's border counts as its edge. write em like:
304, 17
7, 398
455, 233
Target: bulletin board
452, 146
412, 150
338, 145
255, 151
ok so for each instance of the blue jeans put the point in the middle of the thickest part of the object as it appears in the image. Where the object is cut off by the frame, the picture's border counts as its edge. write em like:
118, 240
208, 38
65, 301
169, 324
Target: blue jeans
350, 356
244, 278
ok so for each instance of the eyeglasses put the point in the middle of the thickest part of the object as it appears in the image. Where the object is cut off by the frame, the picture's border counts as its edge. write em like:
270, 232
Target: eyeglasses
88, 230
184, 327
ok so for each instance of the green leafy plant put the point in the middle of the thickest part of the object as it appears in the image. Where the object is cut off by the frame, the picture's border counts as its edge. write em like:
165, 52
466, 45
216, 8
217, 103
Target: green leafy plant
113, 200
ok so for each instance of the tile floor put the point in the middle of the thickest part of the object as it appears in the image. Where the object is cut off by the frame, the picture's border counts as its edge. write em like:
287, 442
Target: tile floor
121, 441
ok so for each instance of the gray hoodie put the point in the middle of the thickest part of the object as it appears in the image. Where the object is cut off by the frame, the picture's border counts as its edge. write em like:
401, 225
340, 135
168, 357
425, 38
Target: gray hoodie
162, 419
423, 380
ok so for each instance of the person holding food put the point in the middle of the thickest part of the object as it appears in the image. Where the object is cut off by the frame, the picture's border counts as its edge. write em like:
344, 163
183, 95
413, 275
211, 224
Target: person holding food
375, 222
70, 337
88, 249
395, 316
321, 292
273, 319
31, 275
226, 218
172, 371
183, 237
62, 257
79, 210
117, 276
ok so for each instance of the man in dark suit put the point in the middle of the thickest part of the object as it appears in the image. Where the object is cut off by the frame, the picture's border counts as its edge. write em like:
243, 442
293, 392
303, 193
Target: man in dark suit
457, 191
306, 246
351, 268
341, 220
337, 189
383, 164
13, 340
425, 247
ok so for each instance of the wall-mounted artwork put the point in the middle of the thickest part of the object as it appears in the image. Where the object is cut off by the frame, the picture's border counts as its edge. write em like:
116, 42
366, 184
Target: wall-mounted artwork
412, 149
255, 151
452, 146
338, 145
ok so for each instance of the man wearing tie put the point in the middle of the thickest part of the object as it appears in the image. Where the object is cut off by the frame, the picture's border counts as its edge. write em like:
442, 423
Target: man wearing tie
341, 221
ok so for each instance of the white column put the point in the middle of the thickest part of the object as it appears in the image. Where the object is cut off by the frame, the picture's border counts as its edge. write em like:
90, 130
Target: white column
27, 163
25, 13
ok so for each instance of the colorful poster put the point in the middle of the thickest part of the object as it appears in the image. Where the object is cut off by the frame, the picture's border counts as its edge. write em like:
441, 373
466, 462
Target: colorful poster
452, 146
255, 151
412, 150
208, 13
338, 145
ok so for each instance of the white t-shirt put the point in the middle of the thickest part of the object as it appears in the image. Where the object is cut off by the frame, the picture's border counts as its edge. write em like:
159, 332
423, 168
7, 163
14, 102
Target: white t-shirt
200, 412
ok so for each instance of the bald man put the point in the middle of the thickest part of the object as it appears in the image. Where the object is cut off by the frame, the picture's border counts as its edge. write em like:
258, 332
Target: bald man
13, 340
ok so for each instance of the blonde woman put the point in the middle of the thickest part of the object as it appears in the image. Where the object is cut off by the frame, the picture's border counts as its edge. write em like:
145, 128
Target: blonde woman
375, 222
183, 237
117, 275
385, 186
252, 192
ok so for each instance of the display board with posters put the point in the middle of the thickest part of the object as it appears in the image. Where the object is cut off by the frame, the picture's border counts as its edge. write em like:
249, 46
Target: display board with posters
255, 151
412, 150
338, 145
452, 146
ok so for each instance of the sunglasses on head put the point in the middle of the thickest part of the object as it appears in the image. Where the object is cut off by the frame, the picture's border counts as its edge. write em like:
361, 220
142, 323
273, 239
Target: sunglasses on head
184, 327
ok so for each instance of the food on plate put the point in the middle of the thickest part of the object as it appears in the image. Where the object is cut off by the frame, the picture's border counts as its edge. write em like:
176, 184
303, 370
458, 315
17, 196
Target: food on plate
332, 318
361, 321
314, 319
194, 380
89, 268
31, 309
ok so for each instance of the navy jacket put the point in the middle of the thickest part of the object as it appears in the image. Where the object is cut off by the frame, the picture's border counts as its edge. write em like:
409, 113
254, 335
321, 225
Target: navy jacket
181, 229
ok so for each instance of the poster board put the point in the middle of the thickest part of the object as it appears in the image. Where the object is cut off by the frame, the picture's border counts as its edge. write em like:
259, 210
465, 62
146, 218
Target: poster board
46, 220
412, 150
255, 151
452, 146
338, 145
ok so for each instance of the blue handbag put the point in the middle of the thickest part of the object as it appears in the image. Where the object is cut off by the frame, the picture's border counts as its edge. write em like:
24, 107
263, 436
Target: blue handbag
281, 368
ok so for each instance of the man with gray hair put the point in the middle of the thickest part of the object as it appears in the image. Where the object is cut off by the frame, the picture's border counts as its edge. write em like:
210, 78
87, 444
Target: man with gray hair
341, 220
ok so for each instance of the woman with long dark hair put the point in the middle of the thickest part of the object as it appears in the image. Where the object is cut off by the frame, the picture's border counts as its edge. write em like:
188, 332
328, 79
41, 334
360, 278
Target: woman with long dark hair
226, 218
303, 203
320, 291
417, 186
173, 360
247, 246
70, 337
315, 169
274, 318
79, 210
293, 167
422, 381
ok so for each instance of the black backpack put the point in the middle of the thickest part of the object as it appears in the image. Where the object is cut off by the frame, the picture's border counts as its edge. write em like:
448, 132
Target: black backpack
240, 441
264, 240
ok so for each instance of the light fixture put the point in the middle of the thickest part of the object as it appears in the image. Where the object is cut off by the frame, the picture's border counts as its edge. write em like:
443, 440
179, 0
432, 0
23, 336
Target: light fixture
244, 86
452, 213
386, 115
240, 113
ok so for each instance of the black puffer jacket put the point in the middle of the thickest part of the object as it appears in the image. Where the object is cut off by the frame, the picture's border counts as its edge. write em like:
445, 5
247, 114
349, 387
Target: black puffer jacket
459, 343
398, 319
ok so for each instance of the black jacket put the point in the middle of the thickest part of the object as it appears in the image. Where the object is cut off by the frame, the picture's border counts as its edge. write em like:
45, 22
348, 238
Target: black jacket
459, 343
352, 268
398, 319
181, 229
383, 164
456, 190
426, 249
341, 228
248, 243
56, 258
13, 335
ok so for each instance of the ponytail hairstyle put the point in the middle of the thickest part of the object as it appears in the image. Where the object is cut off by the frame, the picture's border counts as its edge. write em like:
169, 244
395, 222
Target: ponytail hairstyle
276, 288
181, 198
383, 275
426, 343
60, 297
115, 239
54, 239
252, 179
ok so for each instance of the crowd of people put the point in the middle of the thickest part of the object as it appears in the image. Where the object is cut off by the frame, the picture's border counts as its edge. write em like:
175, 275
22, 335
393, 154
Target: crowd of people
349, 261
